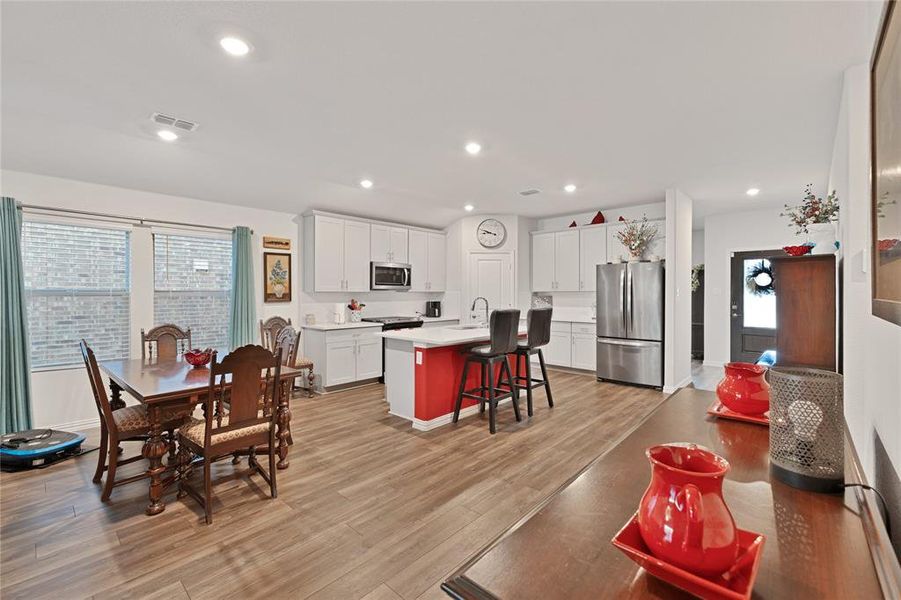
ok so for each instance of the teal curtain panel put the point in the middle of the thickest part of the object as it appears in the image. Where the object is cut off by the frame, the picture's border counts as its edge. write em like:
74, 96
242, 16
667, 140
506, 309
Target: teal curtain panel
242, 321
15, 373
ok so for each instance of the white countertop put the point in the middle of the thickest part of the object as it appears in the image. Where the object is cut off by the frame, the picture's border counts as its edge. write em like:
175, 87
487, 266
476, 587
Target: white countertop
434, 337
336, 326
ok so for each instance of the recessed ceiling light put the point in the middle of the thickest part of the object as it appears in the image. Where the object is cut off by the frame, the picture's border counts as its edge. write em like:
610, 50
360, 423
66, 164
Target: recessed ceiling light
473, 148
166, 135
753, 192
365, 184
234, 46
468, 208
569, 188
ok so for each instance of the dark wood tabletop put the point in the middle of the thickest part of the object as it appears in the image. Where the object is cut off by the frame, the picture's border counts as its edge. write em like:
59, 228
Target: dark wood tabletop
815, 546
155, 381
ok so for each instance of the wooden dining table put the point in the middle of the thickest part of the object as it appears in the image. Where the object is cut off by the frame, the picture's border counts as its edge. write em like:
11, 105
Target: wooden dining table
166, 387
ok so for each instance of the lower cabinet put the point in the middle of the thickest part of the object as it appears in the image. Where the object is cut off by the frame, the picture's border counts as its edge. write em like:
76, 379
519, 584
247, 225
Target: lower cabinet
344, 355
572, 345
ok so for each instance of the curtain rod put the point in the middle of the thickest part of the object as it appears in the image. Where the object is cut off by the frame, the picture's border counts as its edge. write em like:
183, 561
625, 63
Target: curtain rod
139, 220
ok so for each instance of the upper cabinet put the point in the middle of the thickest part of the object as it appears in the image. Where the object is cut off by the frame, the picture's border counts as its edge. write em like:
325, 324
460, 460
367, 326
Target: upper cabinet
337, 254
555, 261
592, 252
428, 261
389, 244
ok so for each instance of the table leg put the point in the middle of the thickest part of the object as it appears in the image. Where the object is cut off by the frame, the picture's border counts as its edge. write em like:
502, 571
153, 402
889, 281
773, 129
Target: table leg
284, 427
116, 402
154, 449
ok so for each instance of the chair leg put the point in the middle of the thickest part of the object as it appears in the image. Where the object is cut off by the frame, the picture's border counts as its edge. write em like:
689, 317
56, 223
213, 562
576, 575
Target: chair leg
486, 379
111, 470
528, 359
492, 403
273, 491
207, 492
310, 378
516, 378
171, 445
101, 453
459, 402
505, 366
547, 383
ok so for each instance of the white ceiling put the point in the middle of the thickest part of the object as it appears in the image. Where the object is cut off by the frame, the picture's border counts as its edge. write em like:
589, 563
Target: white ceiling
624, 99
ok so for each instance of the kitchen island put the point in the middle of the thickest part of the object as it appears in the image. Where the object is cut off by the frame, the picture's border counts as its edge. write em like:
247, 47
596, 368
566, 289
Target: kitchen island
423, 369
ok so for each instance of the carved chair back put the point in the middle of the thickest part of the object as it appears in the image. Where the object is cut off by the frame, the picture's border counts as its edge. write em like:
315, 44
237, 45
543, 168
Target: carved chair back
247, 381
269, 330
288, 342
167, 342
100, 398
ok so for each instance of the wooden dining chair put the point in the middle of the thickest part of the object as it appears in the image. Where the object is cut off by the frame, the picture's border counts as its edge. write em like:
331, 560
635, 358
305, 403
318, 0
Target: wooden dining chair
269, 330
128, 424
168, 340
249, 422
289, 341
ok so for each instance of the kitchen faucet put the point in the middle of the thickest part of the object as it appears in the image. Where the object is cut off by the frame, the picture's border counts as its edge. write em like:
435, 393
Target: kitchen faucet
474, 302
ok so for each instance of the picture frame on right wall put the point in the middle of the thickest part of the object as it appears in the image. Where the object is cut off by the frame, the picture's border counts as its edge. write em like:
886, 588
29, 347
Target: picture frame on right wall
885, 140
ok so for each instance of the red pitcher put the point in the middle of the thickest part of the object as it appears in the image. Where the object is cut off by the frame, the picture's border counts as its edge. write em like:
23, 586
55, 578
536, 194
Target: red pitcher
744, 389
682, 516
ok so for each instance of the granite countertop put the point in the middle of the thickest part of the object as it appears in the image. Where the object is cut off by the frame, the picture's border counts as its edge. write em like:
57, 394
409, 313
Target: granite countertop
434, 337
336, 326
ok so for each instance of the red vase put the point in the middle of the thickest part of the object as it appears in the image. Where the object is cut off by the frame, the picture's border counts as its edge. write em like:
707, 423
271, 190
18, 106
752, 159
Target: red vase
682, 517
744, 388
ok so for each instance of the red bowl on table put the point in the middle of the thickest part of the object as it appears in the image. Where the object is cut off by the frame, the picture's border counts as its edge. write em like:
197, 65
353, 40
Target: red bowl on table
197, 357
797, 250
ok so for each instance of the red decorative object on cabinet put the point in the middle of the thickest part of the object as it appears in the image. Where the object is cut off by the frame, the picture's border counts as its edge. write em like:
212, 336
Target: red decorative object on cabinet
573, 224
743, 389
682, 517
598, 219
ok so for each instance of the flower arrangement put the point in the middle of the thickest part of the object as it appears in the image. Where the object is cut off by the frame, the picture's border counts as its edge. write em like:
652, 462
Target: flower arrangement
811, 211
636, 235
696, 276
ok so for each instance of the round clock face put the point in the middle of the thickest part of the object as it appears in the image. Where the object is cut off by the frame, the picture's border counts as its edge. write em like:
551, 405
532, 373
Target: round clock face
491, 233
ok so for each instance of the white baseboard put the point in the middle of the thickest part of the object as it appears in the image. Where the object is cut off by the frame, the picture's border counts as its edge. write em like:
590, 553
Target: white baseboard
82, 425
670, 390
421, 425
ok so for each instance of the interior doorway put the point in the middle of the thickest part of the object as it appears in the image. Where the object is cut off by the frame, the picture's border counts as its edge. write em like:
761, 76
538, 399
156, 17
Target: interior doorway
490, 276
753, 305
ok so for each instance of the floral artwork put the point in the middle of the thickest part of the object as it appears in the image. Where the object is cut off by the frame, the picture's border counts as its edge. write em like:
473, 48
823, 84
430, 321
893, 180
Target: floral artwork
811, 211
277, 270
636, 236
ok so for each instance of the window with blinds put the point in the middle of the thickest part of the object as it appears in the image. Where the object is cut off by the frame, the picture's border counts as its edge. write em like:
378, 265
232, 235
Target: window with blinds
192, 281
76, 286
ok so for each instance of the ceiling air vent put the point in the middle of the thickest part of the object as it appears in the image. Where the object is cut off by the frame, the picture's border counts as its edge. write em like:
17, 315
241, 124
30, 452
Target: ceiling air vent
175, 122
530, 192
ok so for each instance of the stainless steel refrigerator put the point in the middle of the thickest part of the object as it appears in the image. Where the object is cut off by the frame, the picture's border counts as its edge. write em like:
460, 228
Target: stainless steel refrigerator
630, 323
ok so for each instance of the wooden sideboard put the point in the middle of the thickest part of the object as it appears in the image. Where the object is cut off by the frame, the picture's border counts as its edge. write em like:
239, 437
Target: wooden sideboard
816, 545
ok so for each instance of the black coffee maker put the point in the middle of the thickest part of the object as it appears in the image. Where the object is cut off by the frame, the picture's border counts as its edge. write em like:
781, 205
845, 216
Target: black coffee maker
433, 308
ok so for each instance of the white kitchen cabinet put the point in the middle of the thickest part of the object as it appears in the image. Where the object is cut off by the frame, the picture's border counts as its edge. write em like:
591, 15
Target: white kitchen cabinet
428, 261
339, 249
558, 351
543, 258
592, 252
388, 244
584, 346
343, 356
566, 260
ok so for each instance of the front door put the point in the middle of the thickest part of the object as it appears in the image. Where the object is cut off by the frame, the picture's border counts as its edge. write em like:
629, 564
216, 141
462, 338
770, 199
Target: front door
753, 306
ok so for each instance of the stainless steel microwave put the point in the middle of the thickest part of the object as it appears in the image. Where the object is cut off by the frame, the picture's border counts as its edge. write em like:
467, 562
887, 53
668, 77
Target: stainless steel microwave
389, 276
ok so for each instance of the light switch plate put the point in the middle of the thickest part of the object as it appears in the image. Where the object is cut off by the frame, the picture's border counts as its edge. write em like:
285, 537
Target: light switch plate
419, 357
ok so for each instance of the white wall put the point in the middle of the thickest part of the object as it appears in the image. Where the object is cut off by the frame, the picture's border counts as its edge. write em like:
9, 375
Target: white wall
656, 210
723, 235
677, 309
871, 346
697, 247
63, 397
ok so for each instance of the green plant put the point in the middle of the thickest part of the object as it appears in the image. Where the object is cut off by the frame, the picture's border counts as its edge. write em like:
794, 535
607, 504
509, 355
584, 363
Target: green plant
696, 276
811, 211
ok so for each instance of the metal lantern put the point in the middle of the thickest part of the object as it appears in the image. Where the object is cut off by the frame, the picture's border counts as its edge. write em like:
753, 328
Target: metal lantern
807, 438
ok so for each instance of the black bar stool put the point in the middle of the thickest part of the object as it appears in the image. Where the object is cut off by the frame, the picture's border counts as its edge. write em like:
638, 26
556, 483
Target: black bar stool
504, 326
539, 323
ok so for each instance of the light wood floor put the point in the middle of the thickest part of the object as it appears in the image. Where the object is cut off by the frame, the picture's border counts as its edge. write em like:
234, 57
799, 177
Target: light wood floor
368, 508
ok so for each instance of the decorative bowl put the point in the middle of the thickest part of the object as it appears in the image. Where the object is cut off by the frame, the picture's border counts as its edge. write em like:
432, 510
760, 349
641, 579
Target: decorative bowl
197, 357
797, 250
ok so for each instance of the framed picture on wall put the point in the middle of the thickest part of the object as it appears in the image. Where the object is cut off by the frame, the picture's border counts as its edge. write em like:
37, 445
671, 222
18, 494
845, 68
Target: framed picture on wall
885, 139
276, 277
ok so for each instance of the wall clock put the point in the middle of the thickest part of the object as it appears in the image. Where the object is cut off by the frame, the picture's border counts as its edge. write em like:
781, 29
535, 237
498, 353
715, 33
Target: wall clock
491, 233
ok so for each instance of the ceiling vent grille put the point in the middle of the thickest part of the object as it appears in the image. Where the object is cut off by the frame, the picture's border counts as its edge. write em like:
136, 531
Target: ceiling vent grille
175, 122
529, 192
